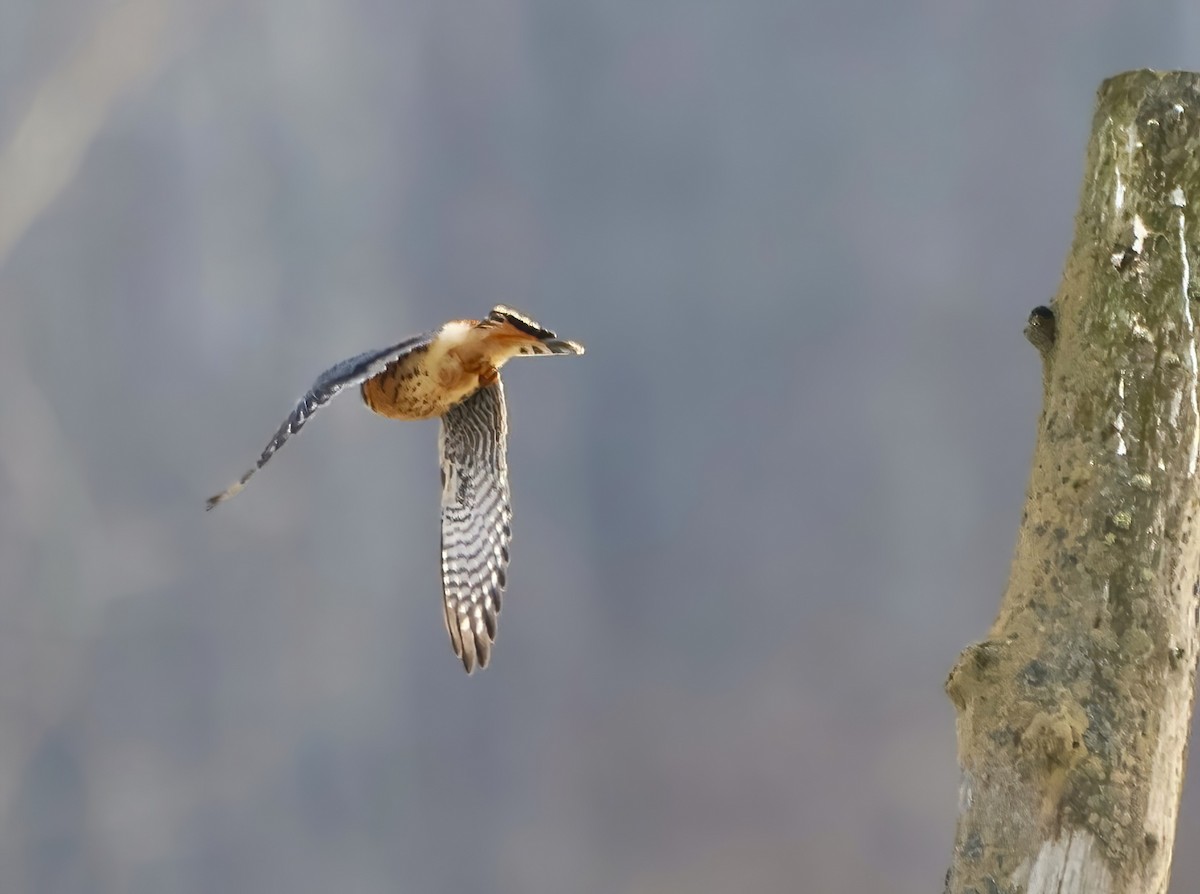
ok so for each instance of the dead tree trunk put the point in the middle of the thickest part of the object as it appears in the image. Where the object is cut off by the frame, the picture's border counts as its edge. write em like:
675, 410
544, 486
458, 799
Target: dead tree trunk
1073, 714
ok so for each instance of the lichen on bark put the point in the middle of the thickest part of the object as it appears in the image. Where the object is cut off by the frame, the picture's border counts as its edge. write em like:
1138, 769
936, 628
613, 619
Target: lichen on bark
1073, 713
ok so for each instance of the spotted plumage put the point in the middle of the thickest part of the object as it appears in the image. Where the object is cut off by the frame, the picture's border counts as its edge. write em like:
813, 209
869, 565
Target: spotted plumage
451, 373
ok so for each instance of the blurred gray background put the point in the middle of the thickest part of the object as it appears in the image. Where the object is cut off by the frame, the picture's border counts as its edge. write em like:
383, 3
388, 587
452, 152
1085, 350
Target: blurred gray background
754, 525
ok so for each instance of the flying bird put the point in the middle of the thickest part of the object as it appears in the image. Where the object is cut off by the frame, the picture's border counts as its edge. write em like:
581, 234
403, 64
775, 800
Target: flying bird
452, 373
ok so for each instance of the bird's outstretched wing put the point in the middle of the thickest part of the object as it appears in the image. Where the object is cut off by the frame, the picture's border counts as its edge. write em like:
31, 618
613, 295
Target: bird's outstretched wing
348, 373
476, 521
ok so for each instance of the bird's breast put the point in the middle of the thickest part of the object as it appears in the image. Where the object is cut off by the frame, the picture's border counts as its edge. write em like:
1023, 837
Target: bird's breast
420, 386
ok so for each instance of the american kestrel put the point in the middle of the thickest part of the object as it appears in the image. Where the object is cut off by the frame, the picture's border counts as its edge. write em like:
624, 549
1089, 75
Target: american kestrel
452, 373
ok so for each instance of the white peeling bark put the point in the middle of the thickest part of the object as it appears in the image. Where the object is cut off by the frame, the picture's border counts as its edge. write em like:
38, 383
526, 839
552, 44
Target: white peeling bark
1073, 714
1072, 864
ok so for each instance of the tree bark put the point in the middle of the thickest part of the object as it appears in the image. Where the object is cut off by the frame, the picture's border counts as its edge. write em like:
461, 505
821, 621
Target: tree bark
1073, 714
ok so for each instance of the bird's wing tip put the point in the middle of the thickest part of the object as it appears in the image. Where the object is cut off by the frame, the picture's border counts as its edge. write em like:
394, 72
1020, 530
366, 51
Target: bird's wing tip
467, 657
475, 652
563, 346
216, 499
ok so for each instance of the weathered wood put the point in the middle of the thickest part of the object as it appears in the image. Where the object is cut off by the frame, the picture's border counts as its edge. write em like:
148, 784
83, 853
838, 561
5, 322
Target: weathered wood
1073, 714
